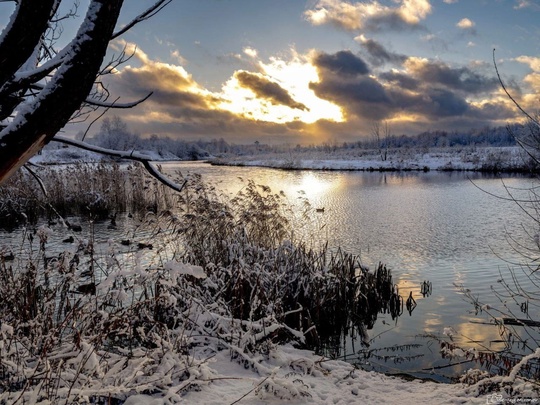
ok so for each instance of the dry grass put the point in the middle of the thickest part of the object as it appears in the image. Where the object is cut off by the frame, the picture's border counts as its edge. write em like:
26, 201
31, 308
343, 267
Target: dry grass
79, 327
87, 190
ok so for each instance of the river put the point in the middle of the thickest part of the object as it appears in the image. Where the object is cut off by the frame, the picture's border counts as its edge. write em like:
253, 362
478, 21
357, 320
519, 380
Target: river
447, 228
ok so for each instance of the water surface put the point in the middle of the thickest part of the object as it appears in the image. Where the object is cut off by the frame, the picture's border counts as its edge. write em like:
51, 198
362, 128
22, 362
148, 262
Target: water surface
446, 228
436, 226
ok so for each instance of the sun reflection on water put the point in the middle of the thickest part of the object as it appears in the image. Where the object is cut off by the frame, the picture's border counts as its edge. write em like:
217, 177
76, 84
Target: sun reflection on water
314, 186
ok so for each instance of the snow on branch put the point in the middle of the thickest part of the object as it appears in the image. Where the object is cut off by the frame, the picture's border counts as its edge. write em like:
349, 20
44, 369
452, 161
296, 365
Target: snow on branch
39, 119
135, 156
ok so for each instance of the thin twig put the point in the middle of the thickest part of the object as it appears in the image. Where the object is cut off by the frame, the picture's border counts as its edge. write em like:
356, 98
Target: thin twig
249, 392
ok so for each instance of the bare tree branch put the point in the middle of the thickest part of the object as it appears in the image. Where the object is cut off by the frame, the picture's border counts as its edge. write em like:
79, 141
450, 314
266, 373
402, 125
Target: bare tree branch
135, 156
509, 95
99, 103
19, 39
41, 118
42, 89
156, 8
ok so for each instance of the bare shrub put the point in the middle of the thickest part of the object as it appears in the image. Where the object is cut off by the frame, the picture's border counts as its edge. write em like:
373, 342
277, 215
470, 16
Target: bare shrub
88, 190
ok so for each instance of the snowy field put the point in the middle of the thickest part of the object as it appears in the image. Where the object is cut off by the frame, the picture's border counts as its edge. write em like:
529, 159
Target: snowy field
462, 158
456, 158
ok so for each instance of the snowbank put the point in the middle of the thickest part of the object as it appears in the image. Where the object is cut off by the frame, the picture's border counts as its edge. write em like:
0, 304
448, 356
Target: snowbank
65, 155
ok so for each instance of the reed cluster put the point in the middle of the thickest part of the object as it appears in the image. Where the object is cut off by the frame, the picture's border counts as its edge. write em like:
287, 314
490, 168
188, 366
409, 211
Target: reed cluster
78, 326
88, 190
248, 246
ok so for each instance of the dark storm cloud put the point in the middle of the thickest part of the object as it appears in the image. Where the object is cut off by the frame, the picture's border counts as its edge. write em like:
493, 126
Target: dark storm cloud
492, 111
180, 107
379, 55
342, 63
401, 80
462, 78
434, 103
362, 90
431, 90
168, 86
343, 80
268, 90
431, 93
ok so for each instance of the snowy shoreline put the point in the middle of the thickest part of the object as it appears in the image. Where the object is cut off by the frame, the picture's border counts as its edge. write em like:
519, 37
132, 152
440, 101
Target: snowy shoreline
300, 377
474, 159
478, 159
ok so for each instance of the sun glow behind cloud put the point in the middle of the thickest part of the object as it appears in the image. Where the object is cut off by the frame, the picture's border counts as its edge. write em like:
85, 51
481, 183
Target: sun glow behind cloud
293, 76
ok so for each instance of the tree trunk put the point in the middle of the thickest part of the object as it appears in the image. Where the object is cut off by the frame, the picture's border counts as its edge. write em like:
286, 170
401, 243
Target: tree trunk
22, 35
41, 118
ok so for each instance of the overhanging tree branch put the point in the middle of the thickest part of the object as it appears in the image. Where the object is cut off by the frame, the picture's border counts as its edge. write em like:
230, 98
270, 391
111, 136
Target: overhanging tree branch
156, 8
38, 120
41, 89
134, 156
114, 104
19, 39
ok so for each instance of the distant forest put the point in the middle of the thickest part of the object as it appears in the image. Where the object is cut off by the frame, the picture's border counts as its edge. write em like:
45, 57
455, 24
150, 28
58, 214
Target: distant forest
114, 134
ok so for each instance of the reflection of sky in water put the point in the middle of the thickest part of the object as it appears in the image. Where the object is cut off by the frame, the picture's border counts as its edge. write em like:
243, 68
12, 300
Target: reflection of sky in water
424, 226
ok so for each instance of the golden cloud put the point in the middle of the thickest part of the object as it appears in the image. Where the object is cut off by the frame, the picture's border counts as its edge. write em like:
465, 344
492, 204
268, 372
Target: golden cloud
360, 15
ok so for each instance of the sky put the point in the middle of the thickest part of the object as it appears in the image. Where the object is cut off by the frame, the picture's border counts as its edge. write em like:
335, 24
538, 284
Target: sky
297, 71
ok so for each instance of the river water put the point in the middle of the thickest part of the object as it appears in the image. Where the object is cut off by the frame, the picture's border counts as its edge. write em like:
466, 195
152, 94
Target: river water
444, 227
447, 228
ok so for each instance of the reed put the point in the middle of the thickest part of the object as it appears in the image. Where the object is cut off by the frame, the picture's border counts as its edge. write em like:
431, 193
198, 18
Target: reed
87, 190
247, 245
78, 326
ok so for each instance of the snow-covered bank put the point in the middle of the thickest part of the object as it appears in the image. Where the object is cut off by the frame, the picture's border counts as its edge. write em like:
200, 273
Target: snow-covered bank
283, 375
508, 159
299, 377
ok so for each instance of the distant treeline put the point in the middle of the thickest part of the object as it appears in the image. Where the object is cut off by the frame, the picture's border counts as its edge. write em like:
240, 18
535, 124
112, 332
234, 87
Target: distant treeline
114, 134
488, 136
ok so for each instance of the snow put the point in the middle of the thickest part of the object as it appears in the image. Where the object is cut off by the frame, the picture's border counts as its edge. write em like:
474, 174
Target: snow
175, 268
71, 154
65, 155
300, 377
472, 158
478, 158
287, 375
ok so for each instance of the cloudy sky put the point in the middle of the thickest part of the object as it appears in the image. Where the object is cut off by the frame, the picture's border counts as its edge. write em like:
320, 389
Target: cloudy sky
309, 71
